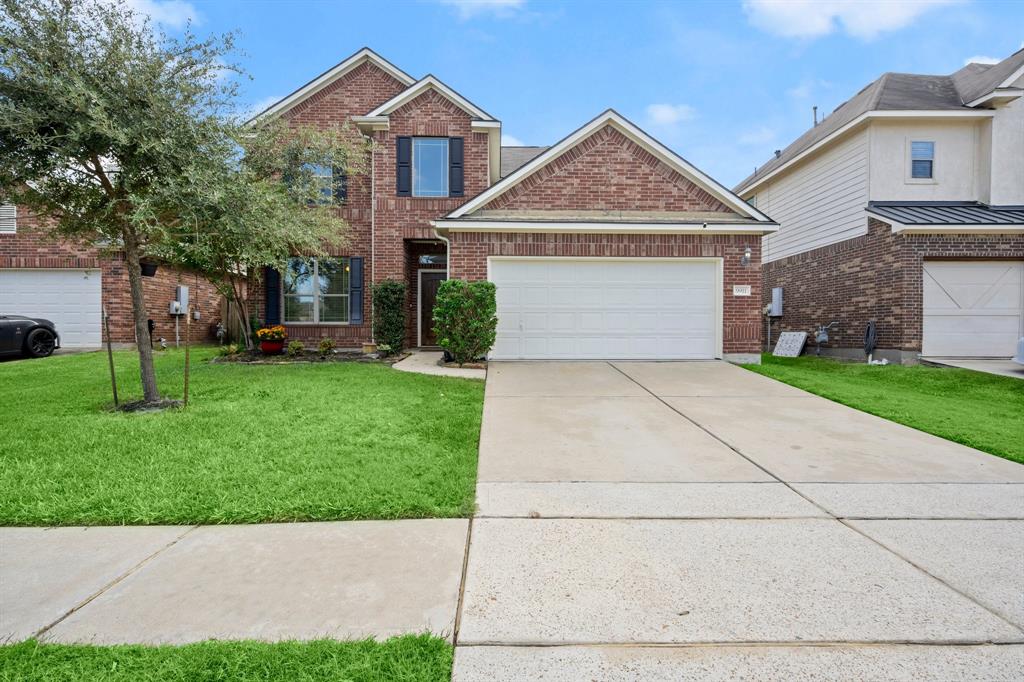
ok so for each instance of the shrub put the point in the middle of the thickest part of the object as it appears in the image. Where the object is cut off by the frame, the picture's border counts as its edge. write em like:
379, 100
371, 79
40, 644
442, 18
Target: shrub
295, 349
389, 315
230, 349
465, 319
326, 346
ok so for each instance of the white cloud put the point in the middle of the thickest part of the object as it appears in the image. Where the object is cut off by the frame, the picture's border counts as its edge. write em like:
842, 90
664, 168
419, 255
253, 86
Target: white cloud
669, 114
758, 136
981, 59
169, 13
511, 141
864, 19
467, 9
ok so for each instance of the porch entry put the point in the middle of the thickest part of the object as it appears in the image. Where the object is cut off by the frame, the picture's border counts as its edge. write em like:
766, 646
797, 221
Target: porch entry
429, 283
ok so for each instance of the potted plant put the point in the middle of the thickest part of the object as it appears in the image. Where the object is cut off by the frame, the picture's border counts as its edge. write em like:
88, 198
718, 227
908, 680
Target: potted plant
272, 339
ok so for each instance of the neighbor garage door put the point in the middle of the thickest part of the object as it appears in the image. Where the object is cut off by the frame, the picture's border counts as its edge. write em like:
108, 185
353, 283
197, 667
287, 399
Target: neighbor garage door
70, 298
973, 308
551, 308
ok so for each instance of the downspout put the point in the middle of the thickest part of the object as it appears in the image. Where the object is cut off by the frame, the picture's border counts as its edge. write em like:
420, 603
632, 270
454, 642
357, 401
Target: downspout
447, 251
373, 236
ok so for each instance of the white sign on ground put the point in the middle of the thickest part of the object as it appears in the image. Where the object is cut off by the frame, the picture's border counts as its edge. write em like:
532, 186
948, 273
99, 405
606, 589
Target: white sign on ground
790, 344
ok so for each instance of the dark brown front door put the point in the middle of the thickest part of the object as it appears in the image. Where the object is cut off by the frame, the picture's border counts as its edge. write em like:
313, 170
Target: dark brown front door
429, 283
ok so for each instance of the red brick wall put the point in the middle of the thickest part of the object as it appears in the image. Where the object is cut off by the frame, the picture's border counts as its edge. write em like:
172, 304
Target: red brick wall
607, 172
32, 247
877, 276
741, 315
401, 218
159, 292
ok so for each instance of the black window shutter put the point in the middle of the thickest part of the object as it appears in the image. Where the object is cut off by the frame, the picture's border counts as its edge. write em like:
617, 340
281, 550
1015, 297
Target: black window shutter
340, 179
355, 290
272, 282
403, 166
456, 176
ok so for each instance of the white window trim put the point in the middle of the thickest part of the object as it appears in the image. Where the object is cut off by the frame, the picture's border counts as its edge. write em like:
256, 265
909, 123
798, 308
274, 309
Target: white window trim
8, 224
447, 167
908, 176
316, 298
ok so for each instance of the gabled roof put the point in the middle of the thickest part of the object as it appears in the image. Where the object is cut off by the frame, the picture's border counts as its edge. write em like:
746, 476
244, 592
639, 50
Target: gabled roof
512, 158
630, 130
332, 74
429, 82
951, 95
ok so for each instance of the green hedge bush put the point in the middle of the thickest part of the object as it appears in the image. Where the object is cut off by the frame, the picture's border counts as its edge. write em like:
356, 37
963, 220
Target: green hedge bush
465, 319
389, 314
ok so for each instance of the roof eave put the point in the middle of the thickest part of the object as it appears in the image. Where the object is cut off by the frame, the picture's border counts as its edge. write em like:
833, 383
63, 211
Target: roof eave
602, 227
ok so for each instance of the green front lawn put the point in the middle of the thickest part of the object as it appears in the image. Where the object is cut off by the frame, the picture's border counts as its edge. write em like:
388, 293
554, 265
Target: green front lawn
419, 658
257, 443
981, 410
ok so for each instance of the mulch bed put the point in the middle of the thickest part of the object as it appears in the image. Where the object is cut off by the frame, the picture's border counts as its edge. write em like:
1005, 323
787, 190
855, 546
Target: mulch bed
255, 357
145, 406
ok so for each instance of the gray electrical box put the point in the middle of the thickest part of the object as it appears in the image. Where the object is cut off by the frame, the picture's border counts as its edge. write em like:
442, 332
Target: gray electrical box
181, 296
776, 309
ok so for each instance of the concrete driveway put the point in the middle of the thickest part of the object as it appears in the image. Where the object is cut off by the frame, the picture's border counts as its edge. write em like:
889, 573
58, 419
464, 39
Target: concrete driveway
694, 520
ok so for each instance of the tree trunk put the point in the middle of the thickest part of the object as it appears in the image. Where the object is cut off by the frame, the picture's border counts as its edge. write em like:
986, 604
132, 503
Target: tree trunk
150, 393
242, 310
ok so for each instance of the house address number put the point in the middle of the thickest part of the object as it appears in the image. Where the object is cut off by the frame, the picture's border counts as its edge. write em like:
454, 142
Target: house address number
741, 290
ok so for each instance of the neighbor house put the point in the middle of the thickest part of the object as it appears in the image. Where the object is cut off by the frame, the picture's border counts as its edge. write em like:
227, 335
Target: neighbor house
904, 207
72, 284
604, 245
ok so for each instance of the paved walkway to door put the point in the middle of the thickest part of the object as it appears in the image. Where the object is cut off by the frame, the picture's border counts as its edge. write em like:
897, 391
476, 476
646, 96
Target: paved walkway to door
665, 521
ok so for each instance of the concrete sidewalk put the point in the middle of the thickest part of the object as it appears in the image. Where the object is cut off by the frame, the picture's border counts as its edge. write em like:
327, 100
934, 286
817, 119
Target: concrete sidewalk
156, 585
665, 521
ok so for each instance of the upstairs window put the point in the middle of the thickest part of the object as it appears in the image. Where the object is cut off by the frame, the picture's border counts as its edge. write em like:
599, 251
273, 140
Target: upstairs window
8, 218
316, 291
332, 183
430, 166
922, 160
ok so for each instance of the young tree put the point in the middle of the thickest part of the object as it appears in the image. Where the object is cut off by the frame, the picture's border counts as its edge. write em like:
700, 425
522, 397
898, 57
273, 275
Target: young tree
117, 135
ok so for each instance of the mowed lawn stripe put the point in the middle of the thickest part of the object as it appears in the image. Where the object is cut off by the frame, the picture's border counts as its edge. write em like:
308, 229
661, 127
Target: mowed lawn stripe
258, 443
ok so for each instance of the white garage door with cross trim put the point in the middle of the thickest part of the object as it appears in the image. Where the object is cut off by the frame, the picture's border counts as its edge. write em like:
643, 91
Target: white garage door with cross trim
973, 308
607, 308
68, 298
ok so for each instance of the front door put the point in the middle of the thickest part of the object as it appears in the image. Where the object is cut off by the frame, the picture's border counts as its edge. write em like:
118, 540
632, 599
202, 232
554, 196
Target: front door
430, 281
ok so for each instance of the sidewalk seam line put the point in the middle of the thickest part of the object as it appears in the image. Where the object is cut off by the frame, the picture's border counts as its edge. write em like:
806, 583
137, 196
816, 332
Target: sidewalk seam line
921, 569
120, 578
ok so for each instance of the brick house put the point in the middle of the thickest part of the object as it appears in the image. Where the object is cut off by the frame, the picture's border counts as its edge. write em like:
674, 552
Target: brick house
605, 245
71, 284
905, 207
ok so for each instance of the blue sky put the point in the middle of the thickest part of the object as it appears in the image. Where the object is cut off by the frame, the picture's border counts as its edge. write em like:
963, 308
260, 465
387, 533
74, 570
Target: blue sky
722, 83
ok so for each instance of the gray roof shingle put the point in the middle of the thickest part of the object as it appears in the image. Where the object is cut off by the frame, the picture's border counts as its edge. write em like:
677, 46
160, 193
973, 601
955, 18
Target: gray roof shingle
901, 92
513, 158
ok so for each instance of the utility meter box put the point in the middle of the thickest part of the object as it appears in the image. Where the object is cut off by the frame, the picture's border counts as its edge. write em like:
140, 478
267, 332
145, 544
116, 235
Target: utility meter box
181, 296
175, 308
776, 308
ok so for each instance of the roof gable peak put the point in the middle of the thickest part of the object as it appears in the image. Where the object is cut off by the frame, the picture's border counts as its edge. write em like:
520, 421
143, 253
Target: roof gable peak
430, 82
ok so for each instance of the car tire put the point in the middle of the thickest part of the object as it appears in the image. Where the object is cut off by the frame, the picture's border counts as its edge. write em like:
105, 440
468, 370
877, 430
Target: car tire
40, 343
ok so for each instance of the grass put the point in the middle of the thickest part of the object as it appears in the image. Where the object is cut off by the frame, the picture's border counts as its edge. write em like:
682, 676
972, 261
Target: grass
258, 443
412, 658
983, 411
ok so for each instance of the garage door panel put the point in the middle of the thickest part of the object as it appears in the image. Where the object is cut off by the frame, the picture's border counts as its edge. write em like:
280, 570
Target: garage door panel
972, 308
594, 309
70, 298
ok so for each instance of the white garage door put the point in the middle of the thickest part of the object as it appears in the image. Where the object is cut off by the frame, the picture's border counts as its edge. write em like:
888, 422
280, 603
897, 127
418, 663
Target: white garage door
70, 298
550, 308
973, 308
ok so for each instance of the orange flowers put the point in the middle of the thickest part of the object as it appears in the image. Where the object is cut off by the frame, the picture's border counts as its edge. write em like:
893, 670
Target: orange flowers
275, 333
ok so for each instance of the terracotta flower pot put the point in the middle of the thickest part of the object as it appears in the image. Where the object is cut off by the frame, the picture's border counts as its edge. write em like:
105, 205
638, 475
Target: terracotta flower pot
271, 347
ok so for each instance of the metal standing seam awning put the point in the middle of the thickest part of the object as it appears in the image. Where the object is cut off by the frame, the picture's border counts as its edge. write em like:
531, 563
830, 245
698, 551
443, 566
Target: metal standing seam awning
948, 216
